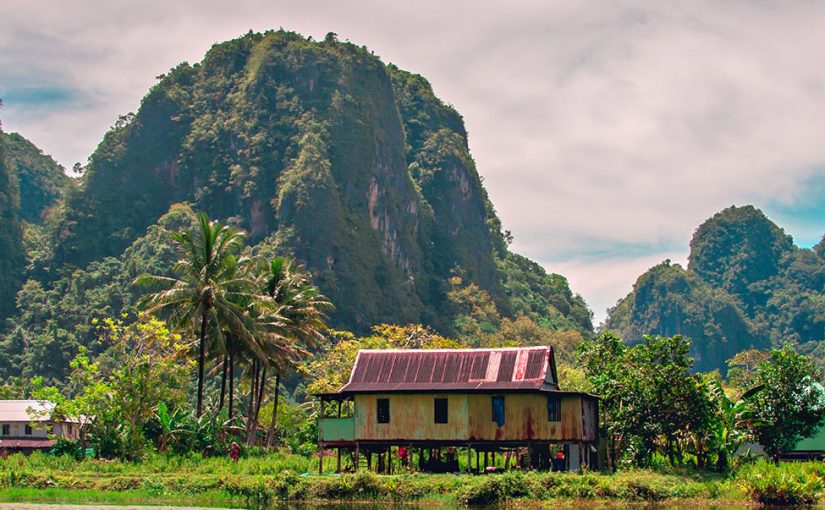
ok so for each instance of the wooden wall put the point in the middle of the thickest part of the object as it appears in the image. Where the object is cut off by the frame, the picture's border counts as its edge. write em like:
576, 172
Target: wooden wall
471, 418
411, 417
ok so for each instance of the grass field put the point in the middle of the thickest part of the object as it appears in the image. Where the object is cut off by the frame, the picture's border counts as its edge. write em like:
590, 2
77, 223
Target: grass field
280, 477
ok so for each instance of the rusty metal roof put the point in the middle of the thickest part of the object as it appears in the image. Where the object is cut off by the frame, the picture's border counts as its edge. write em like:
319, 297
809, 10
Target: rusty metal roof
518, 368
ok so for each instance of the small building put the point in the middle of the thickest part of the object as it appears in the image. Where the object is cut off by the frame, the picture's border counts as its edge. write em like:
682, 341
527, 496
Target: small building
29, 425
809, 448
445, 400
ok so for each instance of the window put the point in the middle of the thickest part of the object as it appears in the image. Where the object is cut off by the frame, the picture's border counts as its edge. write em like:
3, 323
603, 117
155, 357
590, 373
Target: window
441, 410
383, 408
553, 409
498, 411
6, 429
28, 430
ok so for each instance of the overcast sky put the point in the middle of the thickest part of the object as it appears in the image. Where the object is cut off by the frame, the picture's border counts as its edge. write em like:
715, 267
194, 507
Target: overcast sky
606, 132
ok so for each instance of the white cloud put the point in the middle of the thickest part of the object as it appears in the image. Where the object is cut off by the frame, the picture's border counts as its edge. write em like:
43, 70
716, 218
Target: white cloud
608, 280
603, 129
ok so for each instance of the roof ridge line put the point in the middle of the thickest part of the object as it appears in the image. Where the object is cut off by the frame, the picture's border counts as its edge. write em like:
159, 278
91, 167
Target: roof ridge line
474, 349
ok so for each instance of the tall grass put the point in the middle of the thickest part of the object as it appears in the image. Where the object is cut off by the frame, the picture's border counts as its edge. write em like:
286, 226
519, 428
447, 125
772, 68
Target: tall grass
280, 477
790, 484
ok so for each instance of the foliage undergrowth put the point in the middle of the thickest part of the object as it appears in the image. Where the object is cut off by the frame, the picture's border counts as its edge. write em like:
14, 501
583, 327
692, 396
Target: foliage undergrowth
788, 485
280, 477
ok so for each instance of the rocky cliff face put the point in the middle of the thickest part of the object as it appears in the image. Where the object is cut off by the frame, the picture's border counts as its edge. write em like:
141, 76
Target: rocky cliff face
319, 151
668, 300
746, 286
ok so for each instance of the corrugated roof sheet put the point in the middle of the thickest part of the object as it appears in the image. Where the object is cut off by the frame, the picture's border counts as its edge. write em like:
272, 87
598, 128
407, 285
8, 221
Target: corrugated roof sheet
25, 410
519, 368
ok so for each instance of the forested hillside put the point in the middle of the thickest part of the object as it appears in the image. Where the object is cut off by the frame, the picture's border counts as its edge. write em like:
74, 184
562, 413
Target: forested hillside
320, 152
747, 285
12, 259
40, 179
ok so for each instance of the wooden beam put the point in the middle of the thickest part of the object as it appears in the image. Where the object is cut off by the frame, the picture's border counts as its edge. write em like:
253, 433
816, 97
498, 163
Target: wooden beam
338, 464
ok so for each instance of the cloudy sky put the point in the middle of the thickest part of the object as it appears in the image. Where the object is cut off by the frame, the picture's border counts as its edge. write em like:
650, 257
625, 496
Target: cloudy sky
606, 132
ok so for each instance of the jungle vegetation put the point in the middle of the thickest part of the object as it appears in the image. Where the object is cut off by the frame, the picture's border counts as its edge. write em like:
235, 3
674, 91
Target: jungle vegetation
320, 153
747, 286
272, 209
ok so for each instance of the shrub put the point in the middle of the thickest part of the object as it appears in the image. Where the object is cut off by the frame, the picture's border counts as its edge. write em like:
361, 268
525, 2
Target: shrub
366, 485
514, 484
788, 484
67, 447
638, 490
334, 488
486, 491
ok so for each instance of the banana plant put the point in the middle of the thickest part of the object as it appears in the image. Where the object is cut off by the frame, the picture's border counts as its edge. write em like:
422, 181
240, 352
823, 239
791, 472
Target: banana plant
171, 425
733, 417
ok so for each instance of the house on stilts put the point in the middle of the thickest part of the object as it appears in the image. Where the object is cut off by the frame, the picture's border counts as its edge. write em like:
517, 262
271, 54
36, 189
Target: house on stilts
425, 409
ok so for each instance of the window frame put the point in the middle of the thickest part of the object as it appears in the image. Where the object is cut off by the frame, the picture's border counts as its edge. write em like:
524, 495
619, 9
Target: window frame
493, 400
28, 430
382, 415
5, 429
445, 410
553, 408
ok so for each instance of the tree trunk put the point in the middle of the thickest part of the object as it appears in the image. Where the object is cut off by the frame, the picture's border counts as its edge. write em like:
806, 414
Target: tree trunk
253, 425
253, 392
270, 435
253, 389
223, 382
201, 361
261, 382
722, 462
231, 384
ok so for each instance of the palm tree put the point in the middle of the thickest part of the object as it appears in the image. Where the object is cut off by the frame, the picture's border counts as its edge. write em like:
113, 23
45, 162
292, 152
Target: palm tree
300, 308
211, 288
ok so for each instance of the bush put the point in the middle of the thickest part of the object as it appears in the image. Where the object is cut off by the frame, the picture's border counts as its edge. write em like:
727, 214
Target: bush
334, 489
486, 491
786, 485
67, 447
638, 490
366, 485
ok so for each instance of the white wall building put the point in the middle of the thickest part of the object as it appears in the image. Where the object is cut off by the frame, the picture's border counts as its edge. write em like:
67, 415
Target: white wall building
28, 425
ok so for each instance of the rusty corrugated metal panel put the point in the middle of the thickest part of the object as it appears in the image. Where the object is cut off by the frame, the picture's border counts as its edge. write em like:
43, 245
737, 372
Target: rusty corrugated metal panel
519, 368
505, 369
535, 364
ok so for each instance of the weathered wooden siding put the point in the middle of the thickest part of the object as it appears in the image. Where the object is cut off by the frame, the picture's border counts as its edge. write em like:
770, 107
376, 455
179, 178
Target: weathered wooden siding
411, 417
590, 419
525, 418
471, 418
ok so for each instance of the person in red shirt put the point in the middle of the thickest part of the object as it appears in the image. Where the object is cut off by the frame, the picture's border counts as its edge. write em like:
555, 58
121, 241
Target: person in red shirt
234, 451
404, 455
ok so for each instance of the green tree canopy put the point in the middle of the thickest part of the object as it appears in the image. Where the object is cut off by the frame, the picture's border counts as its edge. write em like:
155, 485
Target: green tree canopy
792, 404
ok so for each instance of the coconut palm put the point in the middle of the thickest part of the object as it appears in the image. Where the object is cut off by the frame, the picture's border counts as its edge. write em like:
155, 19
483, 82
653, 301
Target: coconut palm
301, 313
211, 289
